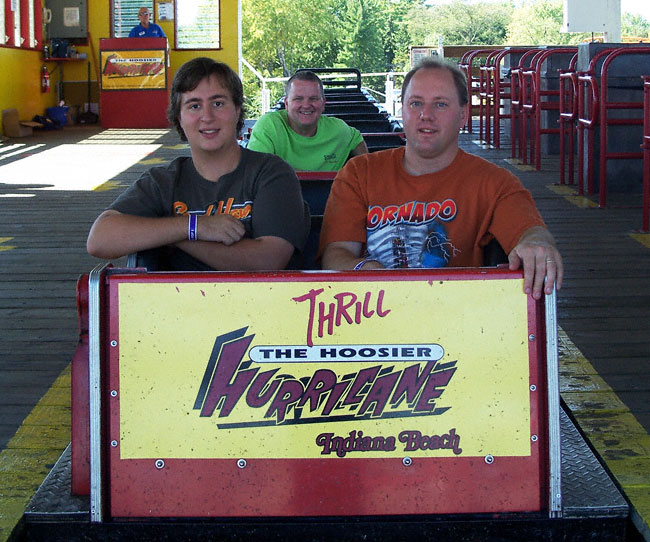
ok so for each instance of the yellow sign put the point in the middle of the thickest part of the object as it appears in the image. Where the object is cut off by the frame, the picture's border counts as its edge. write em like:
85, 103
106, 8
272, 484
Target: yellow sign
323, 369
123, 70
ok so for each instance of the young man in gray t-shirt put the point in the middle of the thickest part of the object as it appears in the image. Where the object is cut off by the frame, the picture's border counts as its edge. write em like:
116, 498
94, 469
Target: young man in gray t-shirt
225, 208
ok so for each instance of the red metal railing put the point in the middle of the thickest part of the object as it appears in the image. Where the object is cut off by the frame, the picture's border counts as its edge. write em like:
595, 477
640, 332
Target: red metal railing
517, 124
484, 105
466, 64
496, 91
606, 121
593, 111
535, 100
645, 145
588, 118
567, 121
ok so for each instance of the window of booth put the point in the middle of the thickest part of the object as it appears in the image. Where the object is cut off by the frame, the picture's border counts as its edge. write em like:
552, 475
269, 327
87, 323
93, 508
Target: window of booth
31, 29
124, 15
3, 31
17, 38
197, 24
20, 24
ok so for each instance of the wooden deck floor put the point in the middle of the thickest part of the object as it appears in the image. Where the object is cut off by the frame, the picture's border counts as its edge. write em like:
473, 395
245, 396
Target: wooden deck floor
603, 308
43, 230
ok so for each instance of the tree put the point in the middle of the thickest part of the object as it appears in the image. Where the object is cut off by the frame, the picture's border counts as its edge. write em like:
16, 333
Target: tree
635, 26
420, 25
538, 22
394, 34
359, 36
461, 23
278, 37
281, 36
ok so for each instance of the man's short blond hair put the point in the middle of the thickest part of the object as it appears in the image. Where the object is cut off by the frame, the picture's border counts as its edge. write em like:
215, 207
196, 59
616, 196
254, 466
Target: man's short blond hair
304, 75
435, 63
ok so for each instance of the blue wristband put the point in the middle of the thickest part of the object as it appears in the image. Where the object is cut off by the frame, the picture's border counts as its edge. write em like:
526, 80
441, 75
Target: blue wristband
191, 228
362, 263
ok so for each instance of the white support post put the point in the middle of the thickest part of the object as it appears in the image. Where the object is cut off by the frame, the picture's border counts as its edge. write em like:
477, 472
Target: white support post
390, 101
553, 385
94, 387
266, 98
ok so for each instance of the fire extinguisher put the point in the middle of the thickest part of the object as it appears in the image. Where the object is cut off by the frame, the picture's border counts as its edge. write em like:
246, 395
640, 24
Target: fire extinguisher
45, 79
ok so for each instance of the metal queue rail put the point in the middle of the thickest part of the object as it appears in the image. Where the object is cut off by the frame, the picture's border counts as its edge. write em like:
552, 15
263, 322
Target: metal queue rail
495, 93
517, 120
582, 103
645, 224
470, 64
595, 110
567, 121
608, 105
535, 100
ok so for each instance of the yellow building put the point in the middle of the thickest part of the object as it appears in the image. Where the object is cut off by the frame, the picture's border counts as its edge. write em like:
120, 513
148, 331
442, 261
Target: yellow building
21, 67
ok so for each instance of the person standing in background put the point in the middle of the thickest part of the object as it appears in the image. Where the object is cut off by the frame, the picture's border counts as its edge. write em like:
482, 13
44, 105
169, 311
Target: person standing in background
146, 29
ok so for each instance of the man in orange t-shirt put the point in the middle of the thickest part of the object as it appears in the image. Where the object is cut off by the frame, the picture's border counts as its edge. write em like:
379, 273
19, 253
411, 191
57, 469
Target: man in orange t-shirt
430, 204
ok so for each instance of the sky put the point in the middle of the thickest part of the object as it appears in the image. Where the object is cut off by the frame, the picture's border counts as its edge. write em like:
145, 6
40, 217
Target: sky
637, 7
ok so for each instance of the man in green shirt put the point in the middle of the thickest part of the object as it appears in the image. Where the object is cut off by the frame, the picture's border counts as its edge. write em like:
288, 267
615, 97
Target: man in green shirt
301, 135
